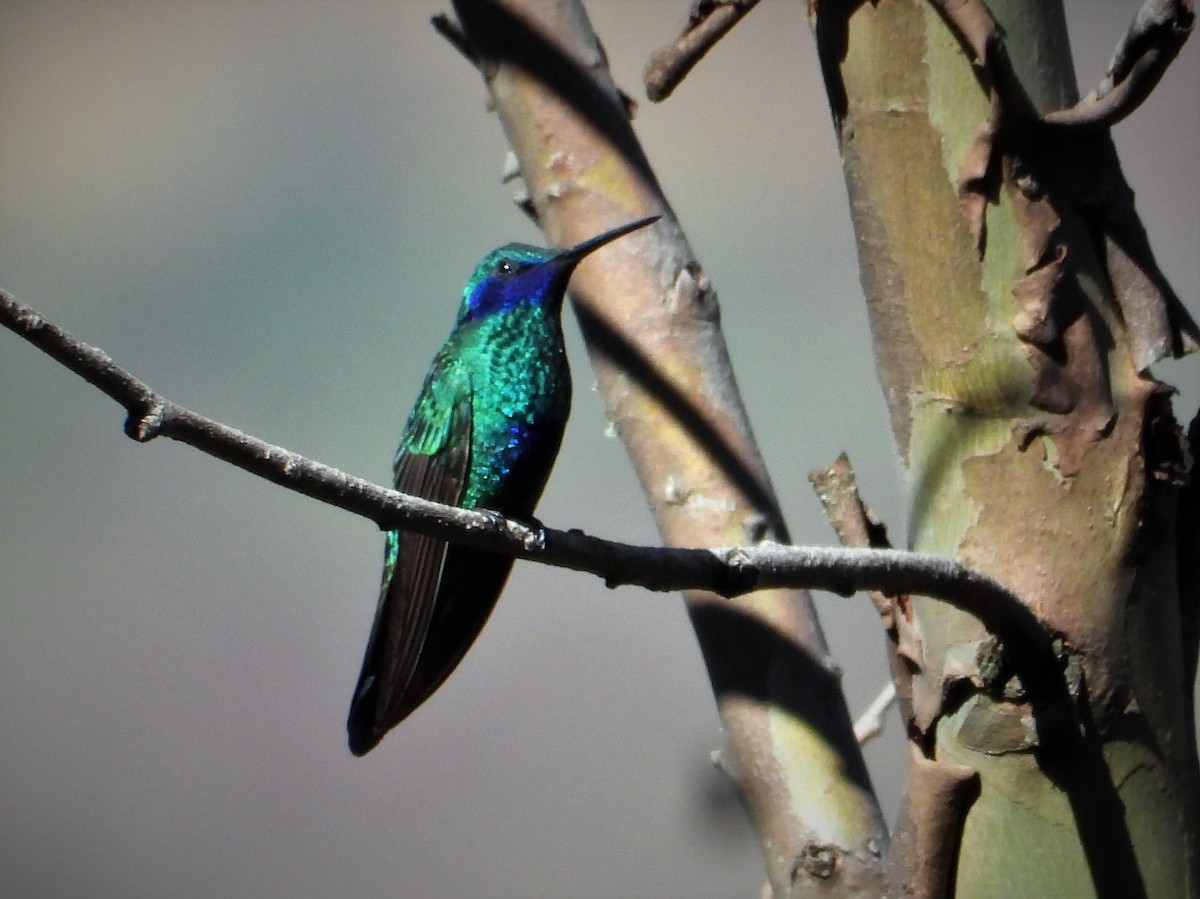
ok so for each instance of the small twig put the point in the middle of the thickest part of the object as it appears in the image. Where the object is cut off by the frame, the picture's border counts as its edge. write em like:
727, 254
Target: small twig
852, 521
448, 28
708, 22
870, 723
728, 571
1157, 33
857, 527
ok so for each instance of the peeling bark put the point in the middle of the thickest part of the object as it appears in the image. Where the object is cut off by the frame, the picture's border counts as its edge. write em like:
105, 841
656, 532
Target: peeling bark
927, 834
1015, 307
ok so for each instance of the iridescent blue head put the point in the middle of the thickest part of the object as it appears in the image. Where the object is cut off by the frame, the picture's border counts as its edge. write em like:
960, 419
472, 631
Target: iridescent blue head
519, 273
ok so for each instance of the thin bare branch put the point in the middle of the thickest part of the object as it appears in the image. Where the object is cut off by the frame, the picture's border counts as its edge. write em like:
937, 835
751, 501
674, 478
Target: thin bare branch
869, 724
708, 22
651, 325
857, 527
448, 28
852, 520
728, 571
1154, 39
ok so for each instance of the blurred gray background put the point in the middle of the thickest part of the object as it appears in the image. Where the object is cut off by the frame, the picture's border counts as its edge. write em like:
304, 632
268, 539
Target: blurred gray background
267, 211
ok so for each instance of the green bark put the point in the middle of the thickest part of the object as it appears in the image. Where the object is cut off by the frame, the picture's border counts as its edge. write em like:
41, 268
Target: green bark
1039, 449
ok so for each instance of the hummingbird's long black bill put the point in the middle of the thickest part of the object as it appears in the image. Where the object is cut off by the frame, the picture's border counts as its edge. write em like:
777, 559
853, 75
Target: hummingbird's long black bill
577, 252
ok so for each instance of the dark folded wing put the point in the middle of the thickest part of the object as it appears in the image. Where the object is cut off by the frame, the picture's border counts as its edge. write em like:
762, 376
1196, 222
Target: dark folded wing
432, 462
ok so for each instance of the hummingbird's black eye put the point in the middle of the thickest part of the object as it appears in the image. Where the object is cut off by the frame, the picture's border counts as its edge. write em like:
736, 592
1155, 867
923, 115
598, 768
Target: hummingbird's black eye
504, 268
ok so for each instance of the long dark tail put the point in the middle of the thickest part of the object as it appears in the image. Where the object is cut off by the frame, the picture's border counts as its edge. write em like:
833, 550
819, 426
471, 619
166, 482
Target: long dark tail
416, 644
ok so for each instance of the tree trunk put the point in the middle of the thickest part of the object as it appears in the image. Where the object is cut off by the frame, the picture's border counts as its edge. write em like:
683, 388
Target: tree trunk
1015, 309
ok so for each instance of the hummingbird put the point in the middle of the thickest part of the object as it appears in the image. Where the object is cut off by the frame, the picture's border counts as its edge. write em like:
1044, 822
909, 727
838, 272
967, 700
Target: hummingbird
484, 433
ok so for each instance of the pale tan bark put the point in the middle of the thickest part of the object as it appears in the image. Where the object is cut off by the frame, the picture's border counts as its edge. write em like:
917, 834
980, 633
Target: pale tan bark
650, 317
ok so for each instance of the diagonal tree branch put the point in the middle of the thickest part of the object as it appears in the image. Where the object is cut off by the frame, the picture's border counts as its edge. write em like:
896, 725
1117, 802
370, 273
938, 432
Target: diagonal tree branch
651, 324
857, 527
708, 21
